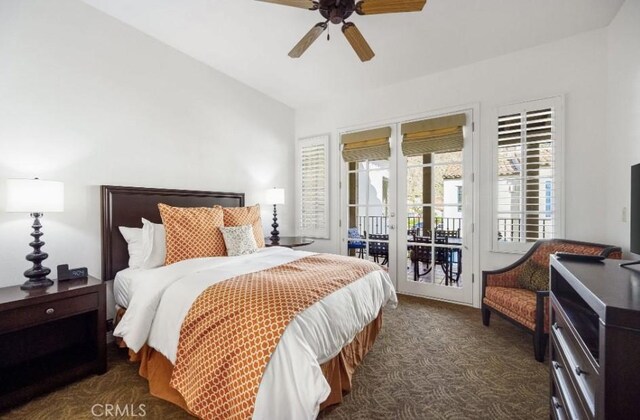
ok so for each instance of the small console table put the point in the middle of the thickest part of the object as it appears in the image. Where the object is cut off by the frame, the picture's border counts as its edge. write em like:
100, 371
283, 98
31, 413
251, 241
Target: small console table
595, 337
289, 241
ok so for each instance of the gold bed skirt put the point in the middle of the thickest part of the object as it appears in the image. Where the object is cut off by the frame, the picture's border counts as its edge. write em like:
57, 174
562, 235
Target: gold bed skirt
338, 371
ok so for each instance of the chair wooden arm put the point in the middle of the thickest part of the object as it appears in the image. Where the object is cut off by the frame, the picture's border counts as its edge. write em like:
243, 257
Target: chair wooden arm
507, 276
540, 298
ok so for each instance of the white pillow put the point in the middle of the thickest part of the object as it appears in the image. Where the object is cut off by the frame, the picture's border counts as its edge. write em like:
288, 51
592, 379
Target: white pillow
239, 240
154, 244
133, 236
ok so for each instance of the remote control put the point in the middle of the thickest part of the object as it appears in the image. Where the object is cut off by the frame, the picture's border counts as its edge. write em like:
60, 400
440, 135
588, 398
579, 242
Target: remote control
579, 257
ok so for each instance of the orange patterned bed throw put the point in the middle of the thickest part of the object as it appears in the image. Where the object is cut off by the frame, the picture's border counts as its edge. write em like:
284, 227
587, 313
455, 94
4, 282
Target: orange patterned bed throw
233, 328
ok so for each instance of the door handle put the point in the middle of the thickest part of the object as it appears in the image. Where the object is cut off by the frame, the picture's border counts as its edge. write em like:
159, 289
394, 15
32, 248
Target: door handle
392, 215
392, 227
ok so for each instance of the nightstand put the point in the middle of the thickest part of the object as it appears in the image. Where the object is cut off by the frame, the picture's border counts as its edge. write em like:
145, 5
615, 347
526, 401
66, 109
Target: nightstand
289, 241
50, 336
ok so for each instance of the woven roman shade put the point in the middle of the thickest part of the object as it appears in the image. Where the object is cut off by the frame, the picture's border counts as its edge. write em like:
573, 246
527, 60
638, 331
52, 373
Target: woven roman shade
366, 145
435, 135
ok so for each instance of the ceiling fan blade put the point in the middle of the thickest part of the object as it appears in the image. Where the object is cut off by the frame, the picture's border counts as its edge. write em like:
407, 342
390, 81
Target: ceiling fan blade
303, 4
375, 7
307, 40
357, 41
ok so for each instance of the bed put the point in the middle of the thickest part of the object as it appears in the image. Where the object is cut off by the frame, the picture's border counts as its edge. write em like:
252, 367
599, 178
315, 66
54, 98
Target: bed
318, 351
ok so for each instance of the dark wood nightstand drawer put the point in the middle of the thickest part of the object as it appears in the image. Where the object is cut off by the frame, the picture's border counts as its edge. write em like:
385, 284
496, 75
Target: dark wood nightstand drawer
26, 316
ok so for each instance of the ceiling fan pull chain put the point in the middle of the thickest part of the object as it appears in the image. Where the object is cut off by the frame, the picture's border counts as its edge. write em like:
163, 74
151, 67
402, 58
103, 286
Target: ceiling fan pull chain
329, 33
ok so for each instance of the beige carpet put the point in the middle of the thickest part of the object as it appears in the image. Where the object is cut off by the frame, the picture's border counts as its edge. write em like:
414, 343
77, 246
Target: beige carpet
432, 361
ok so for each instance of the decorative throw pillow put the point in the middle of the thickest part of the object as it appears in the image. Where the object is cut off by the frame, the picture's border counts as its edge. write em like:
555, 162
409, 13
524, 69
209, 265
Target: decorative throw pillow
154, 244
192, 232
135, 244
238, 216
534, 277
239, 240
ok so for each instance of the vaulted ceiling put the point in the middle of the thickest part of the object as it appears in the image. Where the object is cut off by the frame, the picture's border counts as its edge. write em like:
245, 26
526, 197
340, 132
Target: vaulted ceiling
249, 40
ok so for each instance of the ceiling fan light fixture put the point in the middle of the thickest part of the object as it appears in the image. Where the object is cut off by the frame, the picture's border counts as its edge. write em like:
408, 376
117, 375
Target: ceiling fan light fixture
337, 11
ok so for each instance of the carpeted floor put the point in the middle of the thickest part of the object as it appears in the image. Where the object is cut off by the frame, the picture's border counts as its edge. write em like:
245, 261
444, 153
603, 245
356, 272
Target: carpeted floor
432, 360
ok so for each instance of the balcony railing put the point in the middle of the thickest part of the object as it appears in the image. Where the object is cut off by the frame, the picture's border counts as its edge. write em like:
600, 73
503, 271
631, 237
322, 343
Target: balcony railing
379, 225
510, 230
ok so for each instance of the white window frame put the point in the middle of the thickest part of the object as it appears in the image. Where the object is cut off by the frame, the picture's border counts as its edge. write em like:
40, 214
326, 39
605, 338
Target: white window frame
323, 140
557, 104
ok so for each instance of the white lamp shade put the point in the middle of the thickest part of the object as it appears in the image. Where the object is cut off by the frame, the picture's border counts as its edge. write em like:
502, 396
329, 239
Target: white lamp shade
275, 196
34, 196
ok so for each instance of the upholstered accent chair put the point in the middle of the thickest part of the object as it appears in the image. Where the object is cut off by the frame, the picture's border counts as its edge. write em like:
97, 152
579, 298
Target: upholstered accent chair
502, 292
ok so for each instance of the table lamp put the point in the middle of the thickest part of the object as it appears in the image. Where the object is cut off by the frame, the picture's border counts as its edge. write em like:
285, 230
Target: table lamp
35, 196
275, 196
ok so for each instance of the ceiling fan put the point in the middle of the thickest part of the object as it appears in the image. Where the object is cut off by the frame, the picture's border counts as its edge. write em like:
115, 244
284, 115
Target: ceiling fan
337, 11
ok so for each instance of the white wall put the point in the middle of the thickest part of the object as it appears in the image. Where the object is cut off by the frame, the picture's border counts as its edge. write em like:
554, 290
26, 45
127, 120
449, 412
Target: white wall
622, 142
575, 67
88, 100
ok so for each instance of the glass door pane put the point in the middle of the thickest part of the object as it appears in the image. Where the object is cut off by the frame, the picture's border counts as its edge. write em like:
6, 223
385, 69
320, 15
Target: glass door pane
433, 197
368, 210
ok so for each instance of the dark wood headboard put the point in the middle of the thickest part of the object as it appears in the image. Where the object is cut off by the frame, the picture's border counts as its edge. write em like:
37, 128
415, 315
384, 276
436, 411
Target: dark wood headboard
125, 206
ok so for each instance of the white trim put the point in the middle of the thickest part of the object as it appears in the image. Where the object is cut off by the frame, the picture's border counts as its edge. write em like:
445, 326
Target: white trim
557, 103
324, 140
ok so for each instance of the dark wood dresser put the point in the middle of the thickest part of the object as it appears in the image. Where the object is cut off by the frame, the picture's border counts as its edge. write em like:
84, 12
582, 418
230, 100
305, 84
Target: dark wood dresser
49, 337
595, 340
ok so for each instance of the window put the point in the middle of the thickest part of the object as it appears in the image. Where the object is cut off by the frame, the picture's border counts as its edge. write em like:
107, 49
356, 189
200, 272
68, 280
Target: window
312, 184
528, 199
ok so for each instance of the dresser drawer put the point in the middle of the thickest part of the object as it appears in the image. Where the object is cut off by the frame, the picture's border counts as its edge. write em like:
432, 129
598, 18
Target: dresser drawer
557, 409
563, 389
574, 359
18, 318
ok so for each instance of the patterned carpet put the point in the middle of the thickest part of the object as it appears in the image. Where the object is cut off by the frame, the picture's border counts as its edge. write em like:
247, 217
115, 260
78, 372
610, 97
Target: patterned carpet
432, 360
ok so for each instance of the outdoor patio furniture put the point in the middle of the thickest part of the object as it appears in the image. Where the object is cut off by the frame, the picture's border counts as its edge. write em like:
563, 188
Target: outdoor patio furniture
454, 255
422, 254
379, 250
448, 233
502, 293
357, 246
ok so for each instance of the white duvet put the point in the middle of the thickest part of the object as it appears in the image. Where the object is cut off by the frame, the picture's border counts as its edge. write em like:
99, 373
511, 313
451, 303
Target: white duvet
292, 386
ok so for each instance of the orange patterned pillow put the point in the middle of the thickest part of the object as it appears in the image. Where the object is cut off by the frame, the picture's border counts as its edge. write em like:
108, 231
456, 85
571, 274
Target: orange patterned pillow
238, 216
192, 232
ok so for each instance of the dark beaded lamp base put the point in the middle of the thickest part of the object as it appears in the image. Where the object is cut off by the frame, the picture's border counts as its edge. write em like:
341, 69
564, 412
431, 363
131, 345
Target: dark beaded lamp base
275, 235
37, 274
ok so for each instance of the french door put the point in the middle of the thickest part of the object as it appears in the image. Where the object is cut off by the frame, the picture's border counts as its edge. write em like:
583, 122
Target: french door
370, 211
413, 214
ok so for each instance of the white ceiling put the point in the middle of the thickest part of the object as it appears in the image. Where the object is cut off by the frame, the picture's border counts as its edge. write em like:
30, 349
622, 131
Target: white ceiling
249, 40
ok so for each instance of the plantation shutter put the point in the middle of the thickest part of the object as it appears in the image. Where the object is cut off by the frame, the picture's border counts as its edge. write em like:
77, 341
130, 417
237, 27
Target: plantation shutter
435, 135
527, 190
313, 181
366, 145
